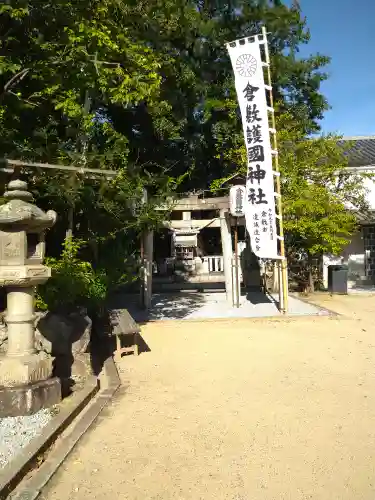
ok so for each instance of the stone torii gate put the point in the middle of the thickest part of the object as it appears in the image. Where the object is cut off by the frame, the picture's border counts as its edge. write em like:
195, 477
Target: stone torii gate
224, 221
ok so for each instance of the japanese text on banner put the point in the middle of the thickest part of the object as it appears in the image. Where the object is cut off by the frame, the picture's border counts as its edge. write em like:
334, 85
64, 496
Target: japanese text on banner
260, 197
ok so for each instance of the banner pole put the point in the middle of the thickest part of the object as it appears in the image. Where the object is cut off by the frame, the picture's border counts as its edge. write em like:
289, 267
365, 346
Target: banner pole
238, 288
283, 286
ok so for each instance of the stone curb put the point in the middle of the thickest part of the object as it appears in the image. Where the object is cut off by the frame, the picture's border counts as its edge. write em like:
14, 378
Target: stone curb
310, 300
12, 474
32, 487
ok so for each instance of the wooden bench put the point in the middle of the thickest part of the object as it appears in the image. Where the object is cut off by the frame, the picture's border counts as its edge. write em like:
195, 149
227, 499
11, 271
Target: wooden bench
124, 325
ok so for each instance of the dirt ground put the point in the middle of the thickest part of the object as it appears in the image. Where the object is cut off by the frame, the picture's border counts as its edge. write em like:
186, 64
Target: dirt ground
241, 410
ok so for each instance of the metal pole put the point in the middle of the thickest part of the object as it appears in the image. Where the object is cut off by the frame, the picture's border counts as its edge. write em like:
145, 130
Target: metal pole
142, 289
236, 264
233, 281
226, 243
283, 286
143, 261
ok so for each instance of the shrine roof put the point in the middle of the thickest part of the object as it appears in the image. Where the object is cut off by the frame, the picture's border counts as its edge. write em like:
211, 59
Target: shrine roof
362, 153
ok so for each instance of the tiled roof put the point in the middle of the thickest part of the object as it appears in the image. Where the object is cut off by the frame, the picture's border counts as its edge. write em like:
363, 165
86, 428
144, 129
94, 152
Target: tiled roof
363, 151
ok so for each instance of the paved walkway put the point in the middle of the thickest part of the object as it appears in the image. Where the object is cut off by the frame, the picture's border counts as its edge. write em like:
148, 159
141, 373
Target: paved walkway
193, 305
238, 409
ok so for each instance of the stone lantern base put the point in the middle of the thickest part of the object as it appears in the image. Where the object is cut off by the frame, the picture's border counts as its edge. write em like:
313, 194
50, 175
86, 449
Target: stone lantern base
21, 370
28, 399
26, 386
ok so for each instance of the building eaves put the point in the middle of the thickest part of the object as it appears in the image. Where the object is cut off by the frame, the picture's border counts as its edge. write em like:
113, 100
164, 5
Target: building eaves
362, 153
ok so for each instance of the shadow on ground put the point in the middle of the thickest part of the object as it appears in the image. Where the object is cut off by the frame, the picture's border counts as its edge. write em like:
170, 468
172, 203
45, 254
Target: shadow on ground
103, 343
256, 297
163, 306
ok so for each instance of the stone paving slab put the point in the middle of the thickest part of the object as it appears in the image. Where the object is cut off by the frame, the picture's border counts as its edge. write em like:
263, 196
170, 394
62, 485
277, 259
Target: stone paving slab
192, 306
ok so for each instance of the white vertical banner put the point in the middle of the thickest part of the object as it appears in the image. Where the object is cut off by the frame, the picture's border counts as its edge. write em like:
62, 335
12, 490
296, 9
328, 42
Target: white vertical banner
259, 204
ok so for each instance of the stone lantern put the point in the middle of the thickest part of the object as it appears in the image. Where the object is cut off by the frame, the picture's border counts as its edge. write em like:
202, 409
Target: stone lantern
26, 385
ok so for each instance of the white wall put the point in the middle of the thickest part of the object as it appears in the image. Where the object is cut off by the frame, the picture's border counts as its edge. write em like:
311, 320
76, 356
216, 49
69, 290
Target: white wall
354, 256
370, 185
354, 253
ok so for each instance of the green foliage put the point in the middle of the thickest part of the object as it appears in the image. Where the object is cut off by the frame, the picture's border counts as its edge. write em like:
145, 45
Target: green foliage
318, 190
74, 282
146, 89
66, 49
155, 76
320, 195
296, 80
71, 73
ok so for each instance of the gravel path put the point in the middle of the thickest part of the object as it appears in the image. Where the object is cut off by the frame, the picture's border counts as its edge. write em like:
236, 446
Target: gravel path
238, 410
17, 432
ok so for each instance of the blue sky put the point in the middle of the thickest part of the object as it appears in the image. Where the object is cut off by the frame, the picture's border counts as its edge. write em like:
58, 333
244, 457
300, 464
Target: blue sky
345, 31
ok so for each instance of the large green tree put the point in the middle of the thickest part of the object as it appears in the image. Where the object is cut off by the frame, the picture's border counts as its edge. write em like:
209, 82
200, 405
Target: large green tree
141, 87
296, 80
157, 73
320, 195
54, 54
316, 186
197, 118
67, 69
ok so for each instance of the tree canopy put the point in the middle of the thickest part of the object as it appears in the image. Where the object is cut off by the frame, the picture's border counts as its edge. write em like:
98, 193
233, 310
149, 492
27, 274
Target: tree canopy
157, 75
145, 88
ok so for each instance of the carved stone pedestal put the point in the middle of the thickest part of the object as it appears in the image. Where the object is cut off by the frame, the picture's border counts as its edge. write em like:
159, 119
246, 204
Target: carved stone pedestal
25, 369
28, 399
26, 386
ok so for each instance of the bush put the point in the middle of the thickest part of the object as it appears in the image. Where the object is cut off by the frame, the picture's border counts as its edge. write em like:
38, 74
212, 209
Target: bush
74, 283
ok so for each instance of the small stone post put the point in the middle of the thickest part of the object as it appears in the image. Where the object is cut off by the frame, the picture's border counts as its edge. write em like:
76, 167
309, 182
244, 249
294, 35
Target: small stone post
26, 385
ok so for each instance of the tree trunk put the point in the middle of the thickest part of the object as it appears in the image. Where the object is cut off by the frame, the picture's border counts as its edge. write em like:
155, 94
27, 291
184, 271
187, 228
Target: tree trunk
311, 284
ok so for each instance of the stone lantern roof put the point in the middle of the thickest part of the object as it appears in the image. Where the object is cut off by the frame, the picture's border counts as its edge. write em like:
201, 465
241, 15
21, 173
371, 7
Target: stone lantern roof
20, 213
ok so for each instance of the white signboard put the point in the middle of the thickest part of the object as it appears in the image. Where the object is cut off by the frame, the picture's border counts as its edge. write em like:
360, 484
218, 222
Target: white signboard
237, 196
260, 196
